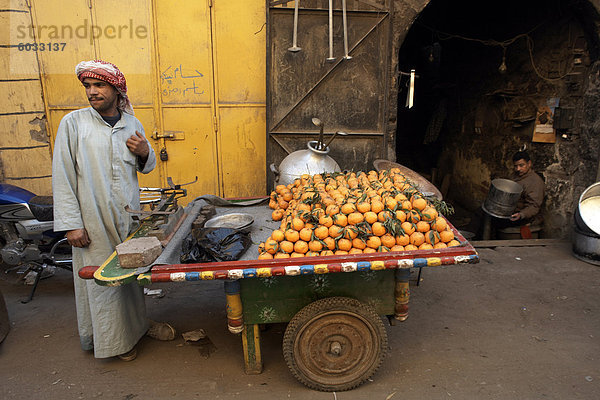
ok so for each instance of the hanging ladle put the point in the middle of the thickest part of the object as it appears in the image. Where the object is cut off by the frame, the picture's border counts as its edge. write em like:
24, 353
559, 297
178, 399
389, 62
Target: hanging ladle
333, 137
317, 122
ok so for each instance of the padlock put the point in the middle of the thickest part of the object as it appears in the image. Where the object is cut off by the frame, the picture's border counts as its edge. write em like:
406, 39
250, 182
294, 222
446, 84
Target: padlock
163, 154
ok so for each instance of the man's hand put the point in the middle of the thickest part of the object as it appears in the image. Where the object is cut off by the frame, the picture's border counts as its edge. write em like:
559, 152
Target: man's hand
138, 145
78, 238
515, 217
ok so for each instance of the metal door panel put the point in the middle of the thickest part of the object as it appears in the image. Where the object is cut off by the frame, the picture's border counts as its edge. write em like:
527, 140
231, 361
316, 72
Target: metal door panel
129, 45
184, 51
146, 117
242, 134
194, 156
58, 67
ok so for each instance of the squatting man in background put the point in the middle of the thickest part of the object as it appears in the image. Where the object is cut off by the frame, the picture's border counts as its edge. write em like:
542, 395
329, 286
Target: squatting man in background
97, 154
530, 203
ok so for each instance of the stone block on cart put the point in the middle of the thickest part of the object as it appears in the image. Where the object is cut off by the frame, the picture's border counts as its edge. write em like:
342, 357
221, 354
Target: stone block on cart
138, 252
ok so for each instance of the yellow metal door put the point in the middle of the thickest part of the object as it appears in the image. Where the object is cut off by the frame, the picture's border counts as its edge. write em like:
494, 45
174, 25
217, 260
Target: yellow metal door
195, 71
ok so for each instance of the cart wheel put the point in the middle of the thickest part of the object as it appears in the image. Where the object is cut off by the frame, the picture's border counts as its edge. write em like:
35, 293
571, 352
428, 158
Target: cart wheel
334, 344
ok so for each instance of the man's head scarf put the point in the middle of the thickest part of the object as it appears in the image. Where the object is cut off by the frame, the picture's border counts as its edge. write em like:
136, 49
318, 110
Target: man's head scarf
109, 73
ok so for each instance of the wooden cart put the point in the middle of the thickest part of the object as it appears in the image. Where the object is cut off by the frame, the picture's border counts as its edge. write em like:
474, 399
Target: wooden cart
335, 339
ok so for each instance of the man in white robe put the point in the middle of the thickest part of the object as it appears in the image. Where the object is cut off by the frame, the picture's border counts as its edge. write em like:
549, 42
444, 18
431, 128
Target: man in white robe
97, 154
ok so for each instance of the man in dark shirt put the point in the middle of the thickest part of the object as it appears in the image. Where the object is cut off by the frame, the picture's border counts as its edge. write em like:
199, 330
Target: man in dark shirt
530, 203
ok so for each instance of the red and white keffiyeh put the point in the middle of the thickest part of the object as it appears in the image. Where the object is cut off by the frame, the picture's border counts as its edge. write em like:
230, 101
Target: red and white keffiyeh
109, 73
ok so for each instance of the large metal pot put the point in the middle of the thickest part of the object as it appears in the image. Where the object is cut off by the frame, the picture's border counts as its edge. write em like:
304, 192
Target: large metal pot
587, 213
586, 246
502, 198
310, 161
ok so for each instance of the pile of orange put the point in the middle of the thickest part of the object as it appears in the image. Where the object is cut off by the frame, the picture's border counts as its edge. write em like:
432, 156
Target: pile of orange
362, 212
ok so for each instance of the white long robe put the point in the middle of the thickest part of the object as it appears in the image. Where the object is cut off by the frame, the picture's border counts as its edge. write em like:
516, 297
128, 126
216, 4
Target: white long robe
93, 179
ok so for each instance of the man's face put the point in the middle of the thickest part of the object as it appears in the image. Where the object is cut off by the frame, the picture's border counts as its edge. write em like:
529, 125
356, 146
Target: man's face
522, 167
102, 96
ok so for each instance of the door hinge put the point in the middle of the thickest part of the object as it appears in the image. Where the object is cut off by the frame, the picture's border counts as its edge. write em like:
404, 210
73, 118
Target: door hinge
210, 3
216, 124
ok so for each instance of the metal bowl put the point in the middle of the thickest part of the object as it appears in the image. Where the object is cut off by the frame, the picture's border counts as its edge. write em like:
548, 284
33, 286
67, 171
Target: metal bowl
238, 221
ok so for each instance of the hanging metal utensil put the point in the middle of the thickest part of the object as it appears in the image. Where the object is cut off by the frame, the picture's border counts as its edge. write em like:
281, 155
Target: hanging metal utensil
295, 47
345, 21
331, 58
411, 90
333, 137
319, 123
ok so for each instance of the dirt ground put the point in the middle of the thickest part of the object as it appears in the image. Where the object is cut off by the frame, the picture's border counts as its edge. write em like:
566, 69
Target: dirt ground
524, 323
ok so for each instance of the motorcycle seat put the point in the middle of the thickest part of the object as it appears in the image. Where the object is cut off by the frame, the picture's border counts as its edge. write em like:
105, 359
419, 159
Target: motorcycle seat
41, 208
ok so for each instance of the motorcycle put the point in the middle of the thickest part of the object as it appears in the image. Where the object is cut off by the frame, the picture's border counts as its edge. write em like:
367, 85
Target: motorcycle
27, 236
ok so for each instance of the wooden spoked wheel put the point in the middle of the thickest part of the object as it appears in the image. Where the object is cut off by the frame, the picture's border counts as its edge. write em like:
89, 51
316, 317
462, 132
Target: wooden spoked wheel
334, 344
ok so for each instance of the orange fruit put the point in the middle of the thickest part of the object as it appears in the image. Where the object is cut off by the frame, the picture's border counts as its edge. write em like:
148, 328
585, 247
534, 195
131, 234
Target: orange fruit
440, 224
429, 214
370, 217
329, 242
376, 206
358, 243
265, 256
369, 250
340, 252
410, 247
425, 246
417, 239
277, 214
363, 207
321, 232
326, 221
301, 247
378, 229
453, 243
373, 242
344, 244
281, 203
287, 195
400, 215
292, 235
273, 204
281, 255
280, 188
384, 215
350, 232
446, 236
278, 235
355, 218
432, 237
406, 205
312, 254
327, 253
348, 208
332, 210
296, 255
286, 246
408, 228
397, 247
335, 231
388, 240
315, 246
306, 234
391, 203
440, 245
297, 224
402, 240
419, 203
340, 219
413, 216
355, 251
271, 246
423, 226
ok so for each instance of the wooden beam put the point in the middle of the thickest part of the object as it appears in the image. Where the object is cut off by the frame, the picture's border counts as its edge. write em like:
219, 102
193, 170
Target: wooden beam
517, 243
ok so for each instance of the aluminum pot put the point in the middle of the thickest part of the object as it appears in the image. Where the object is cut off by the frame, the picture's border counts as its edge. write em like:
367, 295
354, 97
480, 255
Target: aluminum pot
502, 198
310, 161
587, 213
586, 246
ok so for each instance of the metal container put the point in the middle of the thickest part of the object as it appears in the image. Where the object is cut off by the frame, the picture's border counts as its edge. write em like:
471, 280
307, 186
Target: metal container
310, 161
502, 198
586, 246
587, 214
